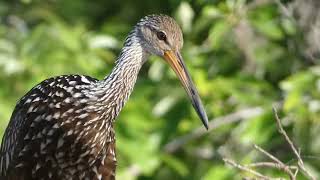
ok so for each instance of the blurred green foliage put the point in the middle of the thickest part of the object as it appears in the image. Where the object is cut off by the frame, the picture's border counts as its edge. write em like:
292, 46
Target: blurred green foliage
240, 54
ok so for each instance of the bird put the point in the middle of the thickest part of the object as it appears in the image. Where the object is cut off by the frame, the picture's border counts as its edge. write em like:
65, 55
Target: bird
63, 128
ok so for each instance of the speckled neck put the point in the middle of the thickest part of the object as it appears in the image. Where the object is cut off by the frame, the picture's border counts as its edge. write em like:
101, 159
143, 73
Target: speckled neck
115, 89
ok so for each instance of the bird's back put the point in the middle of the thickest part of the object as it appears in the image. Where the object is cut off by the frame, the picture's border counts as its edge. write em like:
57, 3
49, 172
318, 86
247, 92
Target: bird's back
56, 132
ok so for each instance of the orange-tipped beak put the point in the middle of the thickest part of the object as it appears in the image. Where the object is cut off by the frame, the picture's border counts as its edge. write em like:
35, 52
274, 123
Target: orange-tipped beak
176, 62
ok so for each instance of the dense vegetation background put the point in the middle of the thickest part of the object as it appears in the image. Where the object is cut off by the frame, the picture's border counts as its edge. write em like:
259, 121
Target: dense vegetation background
242, 54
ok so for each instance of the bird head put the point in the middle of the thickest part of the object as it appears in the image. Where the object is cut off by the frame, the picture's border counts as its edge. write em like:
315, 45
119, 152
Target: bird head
160, 33
162, 36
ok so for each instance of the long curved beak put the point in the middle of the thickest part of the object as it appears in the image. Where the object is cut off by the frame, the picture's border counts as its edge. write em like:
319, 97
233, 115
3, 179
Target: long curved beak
176, 62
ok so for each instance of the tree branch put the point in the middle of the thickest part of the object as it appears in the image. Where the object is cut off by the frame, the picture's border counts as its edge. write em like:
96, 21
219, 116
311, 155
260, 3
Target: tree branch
297, 154
279, 163
292, 171
244, 168
244, 114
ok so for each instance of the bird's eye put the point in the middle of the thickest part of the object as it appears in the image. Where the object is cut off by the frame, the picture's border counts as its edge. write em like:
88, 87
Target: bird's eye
161, 36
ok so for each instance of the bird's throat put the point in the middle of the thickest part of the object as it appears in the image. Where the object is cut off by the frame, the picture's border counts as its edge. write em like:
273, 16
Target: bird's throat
116, 88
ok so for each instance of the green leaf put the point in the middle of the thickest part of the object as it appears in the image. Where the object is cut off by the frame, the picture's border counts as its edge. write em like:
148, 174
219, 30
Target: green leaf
218, 33
217, 172
175, 164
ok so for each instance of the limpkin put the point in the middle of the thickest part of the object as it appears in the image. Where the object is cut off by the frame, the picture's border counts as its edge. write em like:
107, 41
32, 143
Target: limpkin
63, 127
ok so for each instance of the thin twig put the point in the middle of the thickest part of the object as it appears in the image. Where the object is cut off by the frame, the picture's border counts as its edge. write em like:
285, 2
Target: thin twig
270, 164
292, 171
283, 132
284, 167
244, 114
258, 148
243, 168
297, 154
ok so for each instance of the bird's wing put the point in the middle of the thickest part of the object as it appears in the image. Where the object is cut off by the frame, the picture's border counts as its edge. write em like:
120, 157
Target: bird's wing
9, 138
21, 120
